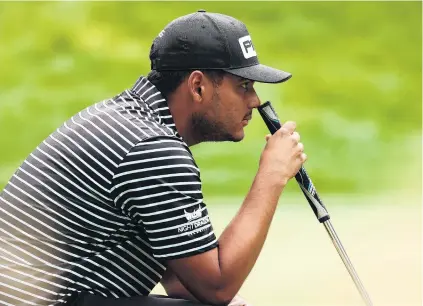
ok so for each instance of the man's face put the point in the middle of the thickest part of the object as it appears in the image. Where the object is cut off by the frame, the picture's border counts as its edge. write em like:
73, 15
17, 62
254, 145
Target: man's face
228, 112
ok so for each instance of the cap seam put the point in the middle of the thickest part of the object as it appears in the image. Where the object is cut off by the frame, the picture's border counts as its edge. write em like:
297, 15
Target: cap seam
224, 35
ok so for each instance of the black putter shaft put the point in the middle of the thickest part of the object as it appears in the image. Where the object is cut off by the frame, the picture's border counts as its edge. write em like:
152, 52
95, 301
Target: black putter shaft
273, 124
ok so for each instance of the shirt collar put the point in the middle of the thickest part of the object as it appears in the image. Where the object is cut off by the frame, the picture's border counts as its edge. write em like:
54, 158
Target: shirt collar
154, 100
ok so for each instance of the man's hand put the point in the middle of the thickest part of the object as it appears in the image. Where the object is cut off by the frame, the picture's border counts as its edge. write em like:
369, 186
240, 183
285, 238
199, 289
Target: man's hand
284, 153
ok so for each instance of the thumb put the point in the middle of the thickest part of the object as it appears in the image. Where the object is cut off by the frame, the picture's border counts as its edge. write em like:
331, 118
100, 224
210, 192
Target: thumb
268, 137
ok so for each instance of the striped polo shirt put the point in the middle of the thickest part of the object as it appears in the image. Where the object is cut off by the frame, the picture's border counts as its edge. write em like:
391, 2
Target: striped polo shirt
101, 204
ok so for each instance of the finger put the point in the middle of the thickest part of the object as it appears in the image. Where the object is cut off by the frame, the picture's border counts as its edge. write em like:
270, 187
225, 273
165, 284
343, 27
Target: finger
300, 147
283, 131
290, 126
268, 137
303, 157
296, 137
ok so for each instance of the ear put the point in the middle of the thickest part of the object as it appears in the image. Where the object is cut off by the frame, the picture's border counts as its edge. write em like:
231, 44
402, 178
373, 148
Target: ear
197, 84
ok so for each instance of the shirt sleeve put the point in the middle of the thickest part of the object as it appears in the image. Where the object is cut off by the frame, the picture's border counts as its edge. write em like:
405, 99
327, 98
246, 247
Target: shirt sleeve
158, 185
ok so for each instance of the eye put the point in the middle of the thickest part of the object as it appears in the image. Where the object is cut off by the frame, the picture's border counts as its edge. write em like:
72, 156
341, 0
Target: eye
246, 86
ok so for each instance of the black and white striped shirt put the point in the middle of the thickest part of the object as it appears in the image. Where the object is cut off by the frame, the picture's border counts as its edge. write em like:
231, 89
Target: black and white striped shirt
101, 204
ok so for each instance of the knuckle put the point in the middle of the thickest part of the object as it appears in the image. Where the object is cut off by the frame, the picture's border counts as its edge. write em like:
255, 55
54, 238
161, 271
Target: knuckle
294, 138
283, 130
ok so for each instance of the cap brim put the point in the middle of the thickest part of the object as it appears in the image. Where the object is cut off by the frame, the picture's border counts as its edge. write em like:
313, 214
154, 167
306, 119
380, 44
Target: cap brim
261, 73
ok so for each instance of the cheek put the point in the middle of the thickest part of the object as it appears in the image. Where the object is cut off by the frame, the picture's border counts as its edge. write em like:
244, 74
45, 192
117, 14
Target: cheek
230, 109
229, 115
237, 110
235, 105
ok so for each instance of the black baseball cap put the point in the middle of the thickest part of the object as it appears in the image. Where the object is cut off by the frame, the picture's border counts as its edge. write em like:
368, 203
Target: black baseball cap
205, 41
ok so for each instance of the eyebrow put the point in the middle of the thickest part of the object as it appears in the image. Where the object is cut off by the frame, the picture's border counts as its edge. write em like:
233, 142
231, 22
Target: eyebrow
241, 80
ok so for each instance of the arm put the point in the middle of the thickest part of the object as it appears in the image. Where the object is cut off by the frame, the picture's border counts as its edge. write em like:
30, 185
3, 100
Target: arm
217, 275
174, 288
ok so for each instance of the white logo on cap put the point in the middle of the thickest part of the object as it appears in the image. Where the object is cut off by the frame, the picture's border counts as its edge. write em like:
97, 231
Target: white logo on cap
247, 46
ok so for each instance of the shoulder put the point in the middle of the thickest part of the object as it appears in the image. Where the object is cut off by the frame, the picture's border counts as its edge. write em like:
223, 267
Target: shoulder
168, 145
159, 151
157, 156
156, 170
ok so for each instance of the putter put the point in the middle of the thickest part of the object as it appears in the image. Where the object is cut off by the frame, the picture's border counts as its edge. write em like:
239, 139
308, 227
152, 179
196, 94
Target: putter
273, 124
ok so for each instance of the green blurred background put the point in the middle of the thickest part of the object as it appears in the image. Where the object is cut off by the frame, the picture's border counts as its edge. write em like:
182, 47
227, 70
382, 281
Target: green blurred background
355, 94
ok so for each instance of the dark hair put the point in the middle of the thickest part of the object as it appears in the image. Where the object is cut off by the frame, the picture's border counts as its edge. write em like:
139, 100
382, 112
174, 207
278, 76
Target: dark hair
167, 81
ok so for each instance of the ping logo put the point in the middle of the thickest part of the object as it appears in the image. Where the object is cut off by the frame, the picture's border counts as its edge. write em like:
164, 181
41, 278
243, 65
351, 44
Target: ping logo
193, 215
247, 46
161, 33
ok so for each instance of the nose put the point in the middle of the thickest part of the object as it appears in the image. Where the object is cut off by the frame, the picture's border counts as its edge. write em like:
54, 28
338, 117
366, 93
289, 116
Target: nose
254, 101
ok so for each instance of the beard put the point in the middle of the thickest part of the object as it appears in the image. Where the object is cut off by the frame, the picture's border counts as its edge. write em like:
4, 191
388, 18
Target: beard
207, 129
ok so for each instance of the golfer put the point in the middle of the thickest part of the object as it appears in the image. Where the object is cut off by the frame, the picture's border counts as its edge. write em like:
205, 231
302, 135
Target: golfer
110, 204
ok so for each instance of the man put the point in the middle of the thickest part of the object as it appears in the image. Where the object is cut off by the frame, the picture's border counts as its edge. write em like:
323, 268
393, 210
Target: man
111, 203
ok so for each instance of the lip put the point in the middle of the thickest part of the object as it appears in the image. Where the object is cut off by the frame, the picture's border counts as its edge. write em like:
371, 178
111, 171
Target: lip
248, 117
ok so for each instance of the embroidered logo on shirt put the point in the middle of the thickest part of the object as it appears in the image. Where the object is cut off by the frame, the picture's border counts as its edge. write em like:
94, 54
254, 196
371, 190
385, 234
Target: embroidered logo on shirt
197, 213
196, 222
191, 226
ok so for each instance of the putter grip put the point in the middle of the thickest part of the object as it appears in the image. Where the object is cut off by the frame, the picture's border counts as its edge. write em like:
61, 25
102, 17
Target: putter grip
272, 122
